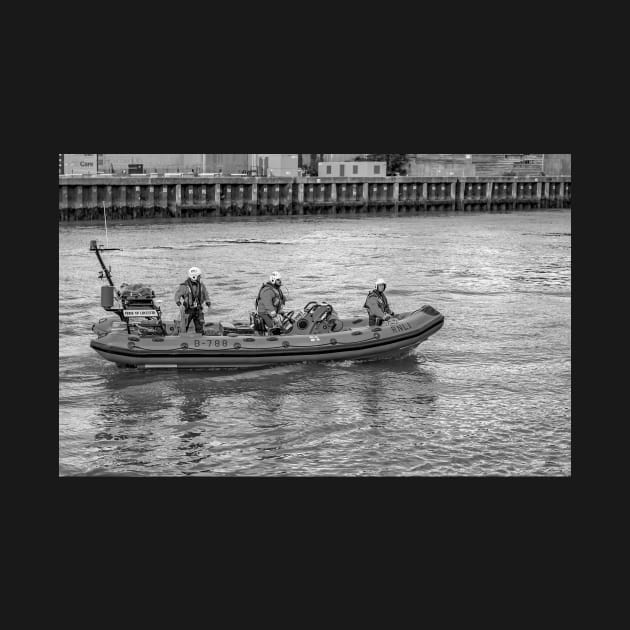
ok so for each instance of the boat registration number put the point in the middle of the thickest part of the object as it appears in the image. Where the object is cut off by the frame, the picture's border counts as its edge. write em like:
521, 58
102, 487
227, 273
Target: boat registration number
143, 313
399, 326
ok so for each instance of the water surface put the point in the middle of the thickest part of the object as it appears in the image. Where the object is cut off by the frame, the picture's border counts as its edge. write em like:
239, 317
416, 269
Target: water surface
489, 394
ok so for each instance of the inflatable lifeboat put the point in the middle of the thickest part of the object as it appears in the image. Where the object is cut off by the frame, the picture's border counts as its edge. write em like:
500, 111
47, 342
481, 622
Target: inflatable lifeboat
138, 336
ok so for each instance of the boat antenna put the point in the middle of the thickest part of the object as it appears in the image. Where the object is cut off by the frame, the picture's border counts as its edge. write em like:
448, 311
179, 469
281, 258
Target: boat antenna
105, 215
107, 272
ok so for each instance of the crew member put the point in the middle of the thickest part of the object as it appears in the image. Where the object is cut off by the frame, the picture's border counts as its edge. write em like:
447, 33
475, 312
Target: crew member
270, 301
377, 304
192, 294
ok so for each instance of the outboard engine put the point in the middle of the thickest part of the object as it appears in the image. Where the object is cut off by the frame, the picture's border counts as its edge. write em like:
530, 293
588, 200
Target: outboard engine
317, 319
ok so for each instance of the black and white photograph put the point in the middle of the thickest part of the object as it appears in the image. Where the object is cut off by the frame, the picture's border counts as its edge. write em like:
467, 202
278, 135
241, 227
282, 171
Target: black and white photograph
315, 315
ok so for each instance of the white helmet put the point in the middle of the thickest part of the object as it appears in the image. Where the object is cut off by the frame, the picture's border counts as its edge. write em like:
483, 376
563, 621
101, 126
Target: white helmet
380, 281
194, 273
275, 277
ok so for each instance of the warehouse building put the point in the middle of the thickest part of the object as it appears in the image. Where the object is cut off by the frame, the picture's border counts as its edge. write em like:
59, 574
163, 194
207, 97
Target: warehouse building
276, 164
352, 169
220, 163
80, 163
557, 164
440, 165
501, 164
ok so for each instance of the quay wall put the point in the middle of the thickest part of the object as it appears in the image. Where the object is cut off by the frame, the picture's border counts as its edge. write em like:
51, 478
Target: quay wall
135, 197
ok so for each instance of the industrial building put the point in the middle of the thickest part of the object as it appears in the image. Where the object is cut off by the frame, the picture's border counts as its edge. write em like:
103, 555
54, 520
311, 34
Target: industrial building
290, 164
225, 163
127, 163
487, 164
308, 159
557, 164
342, 157
263, 164
501, 164
352, 169
440, 165
80, 163
276, 164
305, 160
327, 164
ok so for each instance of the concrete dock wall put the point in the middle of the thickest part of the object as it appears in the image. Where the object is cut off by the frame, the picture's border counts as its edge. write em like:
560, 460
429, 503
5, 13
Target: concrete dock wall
83, 198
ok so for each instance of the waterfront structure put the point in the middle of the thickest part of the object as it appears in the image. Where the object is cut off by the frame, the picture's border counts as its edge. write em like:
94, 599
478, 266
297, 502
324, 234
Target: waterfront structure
81, 163
276, 164
225, 163
122, 163
352, 169
440, 165
557, 164
418, 164
312, 159
308, 159
499, 164
161, 163
343, 157
487, 164
84, 197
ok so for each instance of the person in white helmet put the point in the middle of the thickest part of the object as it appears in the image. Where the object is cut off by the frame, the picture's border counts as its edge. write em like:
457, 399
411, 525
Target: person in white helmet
192, 294
377, 304
270, 301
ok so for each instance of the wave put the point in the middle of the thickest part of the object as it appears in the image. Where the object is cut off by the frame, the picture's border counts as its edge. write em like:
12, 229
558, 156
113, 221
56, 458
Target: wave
546, 234
402, 292
239, 241
157, 247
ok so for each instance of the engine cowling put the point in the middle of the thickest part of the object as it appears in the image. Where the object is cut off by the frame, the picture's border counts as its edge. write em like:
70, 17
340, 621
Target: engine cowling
317, 319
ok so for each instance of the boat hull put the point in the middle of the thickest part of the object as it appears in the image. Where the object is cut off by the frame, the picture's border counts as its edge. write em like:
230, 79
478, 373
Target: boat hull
241, 351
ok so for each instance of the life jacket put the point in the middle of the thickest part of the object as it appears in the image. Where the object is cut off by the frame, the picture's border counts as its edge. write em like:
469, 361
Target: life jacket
193, 298
383, 304
278, 300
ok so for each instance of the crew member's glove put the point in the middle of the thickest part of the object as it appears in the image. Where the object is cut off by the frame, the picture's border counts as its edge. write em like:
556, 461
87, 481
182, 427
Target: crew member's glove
386, 318
179, 303
208, 303
273, 313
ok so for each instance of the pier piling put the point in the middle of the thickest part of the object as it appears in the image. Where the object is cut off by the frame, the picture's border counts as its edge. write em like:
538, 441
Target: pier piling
83, 197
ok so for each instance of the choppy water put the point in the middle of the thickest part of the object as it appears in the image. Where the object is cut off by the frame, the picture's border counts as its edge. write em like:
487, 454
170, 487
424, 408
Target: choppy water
489, 394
